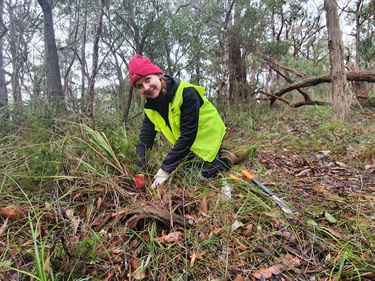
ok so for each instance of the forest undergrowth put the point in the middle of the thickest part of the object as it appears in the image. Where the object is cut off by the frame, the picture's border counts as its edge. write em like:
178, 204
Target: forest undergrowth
70, 210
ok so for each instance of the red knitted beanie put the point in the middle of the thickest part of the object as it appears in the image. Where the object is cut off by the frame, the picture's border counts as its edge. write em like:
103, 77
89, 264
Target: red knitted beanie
140, 66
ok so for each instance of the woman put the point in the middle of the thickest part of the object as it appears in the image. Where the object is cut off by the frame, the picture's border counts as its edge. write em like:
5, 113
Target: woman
187, 119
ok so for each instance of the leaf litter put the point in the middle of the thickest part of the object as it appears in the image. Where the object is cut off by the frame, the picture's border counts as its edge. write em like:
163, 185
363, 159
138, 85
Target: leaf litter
189, 231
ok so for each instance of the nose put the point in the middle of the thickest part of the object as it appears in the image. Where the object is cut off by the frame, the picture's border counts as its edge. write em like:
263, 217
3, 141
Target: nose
146, 86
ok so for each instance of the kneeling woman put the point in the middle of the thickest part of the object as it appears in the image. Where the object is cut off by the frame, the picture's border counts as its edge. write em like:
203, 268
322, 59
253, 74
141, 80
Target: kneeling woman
186, 118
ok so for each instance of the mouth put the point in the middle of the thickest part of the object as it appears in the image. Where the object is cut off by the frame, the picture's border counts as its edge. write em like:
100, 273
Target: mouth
151, 92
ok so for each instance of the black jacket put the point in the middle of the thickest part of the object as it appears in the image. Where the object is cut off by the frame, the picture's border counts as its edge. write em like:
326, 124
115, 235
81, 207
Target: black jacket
189, 125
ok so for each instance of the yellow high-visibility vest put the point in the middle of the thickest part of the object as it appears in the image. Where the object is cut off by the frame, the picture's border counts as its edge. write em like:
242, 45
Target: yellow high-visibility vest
211, 128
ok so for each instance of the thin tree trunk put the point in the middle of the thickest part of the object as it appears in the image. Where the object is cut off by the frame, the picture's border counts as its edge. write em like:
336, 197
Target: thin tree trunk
74, 33
223, 85
340, 100
55, 92
95, 59
3, 88
14, 49
83, 59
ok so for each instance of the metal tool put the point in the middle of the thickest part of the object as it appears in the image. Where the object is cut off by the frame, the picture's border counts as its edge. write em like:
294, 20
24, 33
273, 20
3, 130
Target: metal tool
284, 207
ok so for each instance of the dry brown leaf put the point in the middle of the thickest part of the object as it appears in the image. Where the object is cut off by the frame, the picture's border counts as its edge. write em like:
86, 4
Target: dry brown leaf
368, 167
196, 256
120, 212
69, 213
48, 206
204, 208
266, 273
303, 172
239, 278
369, 197
74, 219
323, 153
247, 231
236, 225
172, 237
217, 230
292, 261
276, 269
286, 234
190, 218
262, 273
13, 212
322, 188
4, 226
110, 275
116, 252
340, 164
135, 265
47, 265
99, 203
334, 232
241, 247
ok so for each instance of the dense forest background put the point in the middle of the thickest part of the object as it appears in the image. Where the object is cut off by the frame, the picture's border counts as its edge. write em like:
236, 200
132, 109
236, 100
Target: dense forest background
294, 82
72, 56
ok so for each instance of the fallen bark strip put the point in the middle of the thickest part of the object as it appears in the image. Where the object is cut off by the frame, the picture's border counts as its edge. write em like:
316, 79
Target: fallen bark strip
154, 211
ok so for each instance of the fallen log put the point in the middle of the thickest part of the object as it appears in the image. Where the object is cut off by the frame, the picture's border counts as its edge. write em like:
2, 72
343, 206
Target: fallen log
359, 75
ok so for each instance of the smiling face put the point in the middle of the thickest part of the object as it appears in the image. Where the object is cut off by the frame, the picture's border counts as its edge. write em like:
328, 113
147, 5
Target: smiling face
149, 86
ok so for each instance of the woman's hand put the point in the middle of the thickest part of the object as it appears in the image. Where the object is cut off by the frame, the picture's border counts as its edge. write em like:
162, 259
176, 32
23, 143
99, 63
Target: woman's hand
159, 178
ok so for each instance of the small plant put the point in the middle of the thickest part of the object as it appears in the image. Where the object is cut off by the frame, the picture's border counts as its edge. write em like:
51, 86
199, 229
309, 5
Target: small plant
87, 247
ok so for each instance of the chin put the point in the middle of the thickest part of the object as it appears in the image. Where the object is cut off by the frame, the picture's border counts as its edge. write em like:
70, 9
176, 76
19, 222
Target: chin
155, 96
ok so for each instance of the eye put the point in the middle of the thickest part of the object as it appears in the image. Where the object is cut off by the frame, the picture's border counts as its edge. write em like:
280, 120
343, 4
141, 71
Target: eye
139, 86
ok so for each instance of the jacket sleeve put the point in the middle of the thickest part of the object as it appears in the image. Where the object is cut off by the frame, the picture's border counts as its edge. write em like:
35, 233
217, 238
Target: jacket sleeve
189, 127
146, 141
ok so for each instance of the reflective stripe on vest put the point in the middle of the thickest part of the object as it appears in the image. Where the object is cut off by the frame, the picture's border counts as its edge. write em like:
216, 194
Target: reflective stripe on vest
211, 128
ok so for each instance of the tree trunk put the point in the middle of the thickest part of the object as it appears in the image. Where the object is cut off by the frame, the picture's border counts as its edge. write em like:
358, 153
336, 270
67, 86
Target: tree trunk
360, 89
16, 56
340, 99
55, 92
95, 59
83, 60
74, 21
222, 84
3, 88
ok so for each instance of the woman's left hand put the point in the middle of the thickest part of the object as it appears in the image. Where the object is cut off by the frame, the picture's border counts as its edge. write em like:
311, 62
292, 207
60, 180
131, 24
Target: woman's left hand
159, 178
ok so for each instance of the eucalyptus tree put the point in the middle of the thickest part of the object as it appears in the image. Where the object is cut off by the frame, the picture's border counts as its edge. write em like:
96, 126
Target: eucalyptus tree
363, 31
3, 88
71, 26
132, 26
17, 43
55, 92
83, 52
361, 12
95, 61
172, 34
335, 46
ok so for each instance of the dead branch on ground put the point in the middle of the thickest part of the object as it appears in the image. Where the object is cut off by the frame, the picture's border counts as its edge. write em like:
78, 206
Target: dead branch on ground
357, 75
